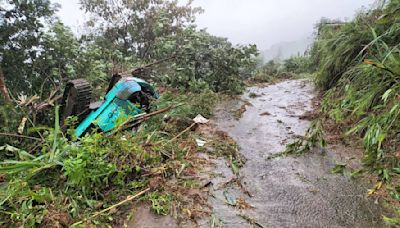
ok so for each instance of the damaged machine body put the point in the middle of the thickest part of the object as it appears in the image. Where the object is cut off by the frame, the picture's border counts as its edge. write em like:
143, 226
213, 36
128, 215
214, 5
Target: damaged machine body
126, 97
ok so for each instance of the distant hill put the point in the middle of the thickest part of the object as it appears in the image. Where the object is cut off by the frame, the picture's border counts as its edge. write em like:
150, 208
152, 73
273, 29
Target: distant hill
284, 50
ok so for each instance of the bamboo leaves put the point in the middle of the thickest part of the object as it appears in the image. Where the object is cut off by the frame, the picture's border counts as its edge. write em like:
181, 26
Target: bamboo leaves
359, 66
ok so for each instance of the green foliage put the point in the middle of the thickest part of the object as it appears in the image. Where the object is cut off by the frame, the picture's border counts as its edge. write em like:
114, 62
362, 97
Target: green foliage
8, 124
201, 62
78, 177
140, 25
44, 52
22, 28
339, 168
58, 59
208, 62
160, 203
193, 103
336, 48
297, 64
391, 221
289, 68
268, 72
359, 63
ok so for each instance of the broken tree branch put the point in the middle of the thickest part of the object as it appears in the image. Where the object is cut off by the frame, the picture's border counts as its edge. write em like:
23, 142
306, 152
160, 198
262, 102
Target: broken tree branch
3, 88
48, 102
157, 112
182, 132
128, 123
130, 198
29, 119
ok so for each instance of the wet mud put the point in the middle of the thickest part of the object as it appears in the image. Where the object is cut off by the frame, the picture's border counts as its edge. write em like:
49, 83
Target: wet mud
285, 191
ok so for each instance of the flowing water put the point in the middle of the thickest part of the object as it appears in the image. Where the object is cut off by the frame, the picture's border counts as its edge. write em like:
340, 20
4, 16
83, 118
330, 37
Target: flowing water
285, 191
282, 191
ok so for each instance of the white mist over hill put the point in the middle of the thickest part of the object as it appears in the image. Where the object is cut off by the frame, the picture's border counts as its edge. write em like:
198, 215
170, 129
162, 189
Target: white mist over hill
284, 50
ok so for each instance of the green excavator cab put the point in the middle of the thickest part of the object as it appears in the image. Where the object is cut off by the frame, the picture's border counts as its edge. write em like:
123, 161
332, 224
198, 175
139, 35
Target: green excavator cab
126, 97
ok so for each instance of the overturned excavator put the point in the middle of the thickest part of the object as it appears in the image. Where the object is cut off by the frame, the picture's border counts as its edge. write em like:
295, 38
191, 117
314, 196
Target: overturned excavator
126, 97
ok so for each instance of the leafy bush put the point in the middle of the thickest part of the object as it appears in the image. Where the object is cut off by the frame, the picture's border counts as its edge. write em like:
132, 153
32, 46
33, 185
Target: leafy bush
206, 62
289, 68
339, 47
297, 64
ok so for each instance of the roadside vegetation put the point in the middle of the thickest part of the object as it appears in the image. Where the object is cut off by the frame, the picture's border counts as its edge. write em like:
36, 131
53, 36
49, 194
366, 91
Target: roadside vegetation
357, 67
48, 178
276, 70
61, 181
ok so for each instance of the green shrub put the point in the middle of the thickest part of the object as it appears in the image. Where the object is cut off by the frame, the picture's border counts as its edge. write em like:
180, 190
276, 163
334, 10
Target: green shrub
78, 177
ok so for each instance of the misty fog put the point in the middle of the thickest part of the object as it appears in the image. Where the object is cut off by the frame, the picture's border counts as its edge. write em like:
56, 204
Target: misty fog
261, 22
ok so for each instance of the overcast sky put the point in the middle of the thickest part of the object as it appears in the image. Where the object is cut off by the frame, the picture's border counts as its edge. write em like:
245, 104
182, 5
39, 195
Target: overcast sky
263, 22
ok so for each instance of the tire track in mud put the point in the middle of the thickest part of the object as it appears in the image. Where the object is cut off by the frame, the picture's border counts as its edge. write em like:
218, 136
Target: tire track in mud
285, 191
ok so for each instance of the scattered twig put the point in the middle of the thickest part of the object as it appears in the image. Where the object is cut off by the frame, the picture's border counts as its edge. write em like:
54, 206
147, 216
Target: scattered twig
239, 183
158, 112
149, 137
36, 146
251, 221
130, 198
21, 136
237, 180
182, 132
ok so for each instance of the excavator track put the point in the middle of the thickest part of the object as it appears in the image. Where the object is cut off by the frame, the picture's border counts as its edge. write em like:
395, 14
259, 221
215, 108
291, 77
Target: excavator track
76, 100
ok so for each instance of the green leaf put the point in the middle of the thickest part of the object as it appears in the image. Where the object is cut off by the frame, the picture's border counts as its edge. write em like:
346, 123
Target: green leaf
11, 167
386, 95
339, 168
397, 170
391, 221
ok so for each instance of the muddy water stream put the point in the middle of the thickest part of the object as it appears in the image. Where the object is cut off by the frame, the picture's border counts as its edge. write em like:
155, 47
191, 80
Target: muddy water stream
285, 191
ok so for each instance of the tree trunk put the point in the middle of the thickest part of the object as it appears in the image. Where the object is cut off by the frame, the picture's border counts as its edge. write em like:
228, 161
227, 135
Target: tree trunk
3, 88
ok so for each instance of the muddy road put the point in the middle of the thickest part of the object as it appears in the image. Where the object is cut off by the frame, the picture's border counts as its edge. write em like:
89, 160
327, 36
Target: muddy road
285, 191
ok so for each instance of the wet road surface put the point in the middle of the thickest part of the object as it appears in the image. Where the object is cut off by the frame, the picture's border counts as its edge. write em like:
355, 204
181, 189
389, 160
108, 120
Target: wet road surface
285, 191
